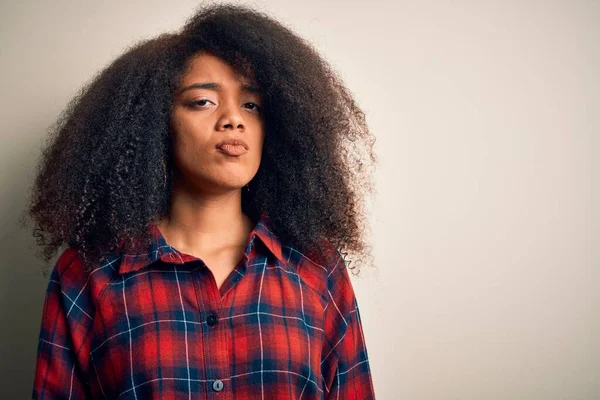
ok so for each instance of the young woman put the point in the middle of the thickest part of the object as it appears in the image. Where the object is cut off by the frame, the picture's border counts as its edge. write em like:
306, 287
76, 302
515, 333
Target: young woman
206, 185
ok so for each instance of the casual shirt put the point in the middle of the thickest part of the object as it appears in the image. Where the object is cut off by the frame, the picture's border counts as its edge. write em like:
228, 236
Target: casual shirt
154, 325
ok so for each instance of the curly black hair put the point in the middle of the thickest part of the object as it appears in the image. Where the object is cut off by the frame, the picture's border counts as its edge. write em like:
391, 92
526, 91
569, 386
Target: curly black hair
106, 172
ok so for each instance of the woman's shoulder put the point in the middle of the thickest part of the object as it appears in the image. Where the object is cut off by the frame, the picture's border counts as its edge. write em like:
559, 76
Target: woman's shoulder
318, 268
75, 277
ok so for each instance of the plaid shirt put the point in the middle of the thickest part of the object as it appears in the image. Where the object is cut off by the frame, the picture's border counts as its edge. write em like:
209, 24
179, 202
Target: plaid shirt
155, 326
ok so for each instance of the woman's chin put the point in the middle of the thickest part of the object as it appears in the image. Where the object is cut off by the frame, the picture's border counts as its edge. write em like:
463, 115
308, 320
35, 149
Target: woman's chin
225, 185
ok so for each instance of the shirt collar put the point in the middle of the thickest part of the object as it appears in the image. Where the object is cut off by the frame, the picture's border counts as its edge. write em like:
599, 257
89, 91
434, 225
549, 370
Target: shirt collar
160, 249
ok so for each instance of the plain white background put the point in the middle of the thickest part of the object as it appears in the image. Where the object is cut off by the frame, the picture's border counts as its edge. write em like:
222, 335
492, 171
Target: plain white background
485, 224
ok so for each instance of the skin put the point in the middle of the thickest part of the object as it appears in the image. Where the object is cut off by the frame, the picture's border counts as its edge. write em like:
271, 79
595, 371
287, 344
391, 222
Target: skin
206, 218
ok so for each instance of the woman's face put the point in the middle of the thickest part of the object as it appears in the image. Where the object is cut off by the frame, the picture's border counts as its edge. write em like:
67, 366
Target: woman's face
212, 105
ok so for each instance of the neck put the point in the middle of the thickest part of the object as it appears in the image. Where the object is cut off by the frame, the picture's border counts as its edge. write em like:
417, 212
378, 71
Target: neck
205, 221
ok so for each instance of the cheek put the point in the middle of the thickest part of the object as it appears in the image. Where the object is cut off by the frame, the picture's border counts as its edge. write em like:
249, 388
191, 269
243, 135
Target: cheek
189, 132
259, 147
260, 138
190, 147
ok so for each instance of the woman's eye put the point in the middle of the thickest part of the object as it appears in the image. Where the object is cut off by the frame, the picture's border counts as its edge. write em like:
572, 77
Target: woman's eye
201, 102
257, 107
204, 102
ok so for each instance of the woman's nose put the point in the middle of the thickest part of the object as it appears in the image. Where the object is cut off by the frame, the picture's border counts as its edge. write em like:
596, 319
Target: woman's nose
231, 119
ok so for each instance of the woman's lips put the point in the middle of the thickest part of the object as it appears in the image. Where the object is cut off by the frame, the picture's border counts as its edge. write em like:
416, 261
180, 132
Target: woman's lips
234, 150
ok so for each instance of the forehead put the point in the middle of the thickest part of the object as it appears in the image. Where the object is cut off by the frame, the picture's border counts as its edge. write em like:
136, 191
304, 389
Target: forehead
210, 68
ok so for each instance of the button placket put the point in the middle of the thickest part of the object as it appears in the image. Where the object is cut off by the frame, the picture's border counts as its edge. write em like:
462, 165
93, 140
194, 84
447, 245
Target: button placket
216, 348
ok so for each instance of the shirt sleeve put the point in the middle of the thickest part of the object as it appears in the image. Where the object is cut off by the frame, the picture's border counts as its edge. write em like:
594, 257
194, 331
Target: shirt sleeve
63, 341
345, 363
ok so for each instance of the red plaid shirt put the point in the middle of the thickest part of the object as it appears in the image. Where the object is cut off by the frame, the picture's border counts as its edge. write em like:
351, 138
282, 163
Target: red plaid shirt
155, 326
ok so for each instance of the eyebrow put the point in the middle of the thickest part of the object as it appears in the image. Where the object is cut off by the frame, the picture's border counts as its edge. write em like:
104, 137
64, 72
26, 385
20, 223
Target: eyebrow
216, 86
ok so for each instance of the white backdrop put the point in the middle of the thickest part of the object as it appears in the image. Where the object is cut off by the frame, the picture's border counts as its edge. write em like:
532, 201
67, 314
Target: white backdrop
485, 227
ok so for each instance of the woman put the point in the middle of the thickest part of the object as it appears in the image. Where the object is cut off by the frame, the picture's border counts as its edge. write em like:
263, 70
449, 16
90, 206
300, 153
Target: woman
206, 184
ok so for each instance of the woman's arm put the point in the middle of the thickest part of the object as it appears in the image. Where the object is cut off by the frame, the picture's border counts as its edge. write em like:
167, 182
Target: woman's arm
345, 363
64, 335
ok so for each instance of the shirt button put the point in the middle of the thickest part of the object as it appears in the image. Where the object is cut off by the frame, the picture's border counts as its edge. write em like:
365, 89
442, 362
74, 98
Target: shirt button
217, 385
212, 319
